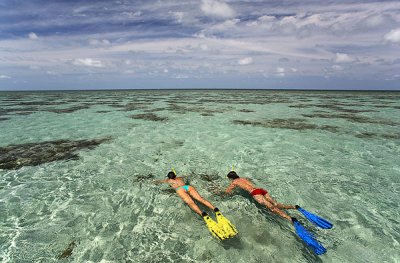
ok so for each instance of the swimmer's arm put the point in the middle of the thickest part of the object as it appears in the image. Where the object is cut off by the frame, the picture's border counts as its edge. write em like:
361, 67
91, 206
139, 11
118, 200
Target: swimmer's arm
230, 188
160, 181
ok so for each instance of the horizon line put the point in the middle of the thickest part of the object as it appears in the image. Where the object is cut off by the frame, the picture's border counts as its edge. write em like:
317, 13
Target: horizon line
205, 89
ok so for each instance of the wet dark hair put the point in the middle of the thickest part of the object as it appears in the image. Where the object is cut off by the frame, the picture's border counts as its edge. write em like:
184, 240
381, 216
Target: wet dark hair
233, 175
171, 175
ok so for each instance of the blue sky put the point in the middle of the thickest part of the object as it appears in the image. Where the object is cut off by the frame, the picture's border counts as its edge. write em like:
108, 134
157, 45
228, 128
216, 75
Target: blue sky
199, 44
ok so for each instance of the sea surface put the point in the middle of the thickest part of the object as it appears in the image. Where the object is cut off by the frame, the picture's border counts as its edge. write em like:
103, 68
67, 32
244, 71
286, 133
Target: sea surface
77, 172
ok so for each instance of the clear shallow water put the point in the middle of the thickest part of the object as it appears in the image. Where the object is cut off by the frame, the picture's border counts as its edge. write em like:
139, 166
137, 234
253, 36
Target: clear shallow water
334, 153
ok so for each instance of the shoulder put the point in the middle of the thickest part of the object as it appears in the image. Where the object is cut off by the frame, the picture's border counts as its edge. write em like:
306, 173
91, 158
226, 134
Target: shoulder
236, 181
243, 180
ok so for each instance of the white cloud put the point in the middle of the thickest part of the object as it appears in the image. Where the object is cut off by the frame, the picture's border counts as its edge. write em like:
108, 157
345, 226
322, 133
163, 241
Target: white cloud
217, 9
245, 61
178, 16
393, 35
226, 25
33, 36
34, 67
131, 14
293, 69
204, 47
265, 19
52, 73
199, 34
337, 67
343, 58
181, 76
88, 62
280, 72
96, 42
262, 20
5, 77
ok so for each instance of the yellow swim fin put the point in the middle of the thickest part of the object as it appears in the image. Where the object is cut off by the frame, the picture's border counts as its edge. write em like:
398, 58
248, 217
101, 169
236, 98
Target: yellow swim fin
225, 224
214, 228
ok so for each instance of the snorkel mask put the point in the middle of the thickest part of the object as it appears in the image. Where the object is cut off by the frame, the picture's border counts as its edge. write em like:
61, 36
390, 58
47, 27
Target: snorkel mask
172, 174
232, 174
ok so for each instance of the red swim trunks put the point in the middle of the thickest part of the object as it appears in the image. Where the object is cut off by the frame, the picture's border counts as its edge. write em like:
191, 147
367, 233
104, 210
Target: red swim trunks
259, 191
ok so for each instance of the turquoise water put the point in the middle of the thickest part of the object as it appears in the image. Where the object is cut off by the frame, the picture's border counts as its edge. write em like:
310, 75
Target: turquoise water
77, 172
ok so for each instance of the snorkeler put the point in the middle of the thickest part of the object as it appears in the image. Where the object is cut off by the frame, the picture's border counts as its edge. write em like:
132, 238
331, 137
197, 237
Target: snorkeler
222, 229
263, 197
260, 195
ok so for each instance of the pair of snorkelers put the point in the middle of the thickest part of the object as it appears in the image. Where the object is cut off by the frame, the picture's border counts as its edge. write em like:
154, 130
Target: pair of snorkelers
224, 229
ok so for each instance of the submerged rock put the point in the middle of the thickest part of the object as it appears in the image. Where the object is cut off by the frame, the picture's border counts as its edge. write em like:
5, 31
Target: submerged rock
31, 154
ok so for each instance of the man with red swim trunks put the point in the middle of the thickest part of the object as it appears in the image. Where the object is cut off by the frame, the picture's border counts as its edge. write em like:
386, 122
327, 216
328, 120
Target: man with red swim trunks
259, 194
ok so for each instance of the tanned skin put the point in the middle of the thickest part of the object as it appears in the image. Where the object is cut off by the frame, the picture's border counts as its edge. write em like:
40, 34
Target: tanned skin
265, 200
187, 197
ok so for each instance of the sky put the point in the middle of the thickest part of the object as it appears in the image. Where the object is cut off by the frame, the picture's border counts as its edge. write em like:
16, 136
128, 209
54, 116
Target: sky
174, 44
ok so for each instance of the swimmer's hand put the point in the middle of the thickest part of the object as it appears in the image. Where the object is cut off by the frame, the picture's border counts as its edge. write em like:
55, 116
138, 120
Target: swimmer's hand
217, 191
159, 181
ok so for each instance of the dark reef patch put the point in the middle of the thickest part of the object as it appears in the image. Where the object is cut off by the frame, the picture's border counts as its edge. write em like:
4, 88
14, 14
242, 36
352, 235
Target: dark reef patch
246, 110
351, 117
168, 191
31, 154
173, 143
367, 135
391, 136
4, 118
301, 106
202, 110
291, 123
30, 110
38, 103
143, 177
155, 110
69, 110
115, 105
385, 106
339, 107
18, 111
67, 251
372, 135
209, 177
256, 100
148, 117
134, 106
103, 111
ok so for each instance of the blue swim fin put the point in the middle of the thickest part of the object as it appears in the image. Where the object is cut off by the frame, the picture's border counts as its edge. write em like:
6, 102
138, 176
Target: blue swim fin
318, 221
308, 238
